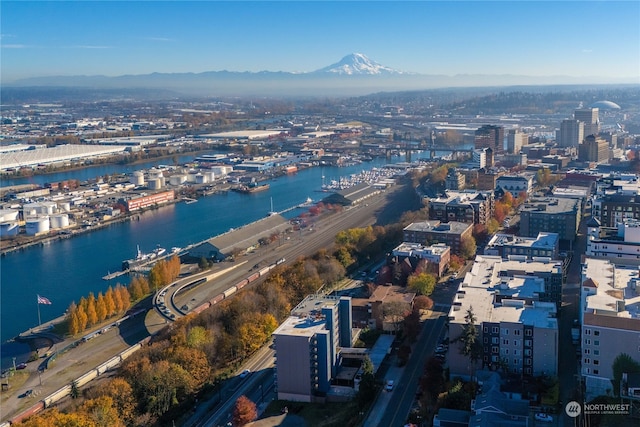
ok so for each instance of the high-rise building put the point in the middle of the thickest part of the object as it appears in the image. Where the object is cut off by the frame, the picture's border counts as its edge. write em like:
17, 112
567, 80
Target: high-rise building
516, 139
588, 116
571, 133
308, 344
594, 149
490, 136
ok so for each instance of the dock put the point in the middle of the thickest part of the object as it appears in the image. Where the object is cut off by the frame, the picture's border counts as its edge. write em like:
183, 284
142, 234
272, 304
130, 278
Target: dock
114, 275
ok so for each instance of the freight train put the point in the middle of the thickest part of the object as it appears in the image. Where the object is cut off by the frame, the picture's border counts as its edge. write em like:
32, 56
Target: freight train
235, 288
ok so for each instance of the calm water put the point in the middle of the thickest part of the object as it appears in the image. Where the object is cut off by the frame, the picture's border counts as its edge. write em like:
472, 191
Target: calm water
65, 270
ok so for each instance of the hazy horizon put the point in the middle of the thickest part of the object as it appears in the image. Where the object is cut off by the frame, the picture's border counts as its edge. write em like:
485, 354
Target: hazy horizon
539, 39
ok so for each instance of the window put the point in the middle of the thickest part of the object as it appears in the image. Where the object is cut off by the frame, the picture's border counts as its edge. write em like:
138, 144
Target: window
528, 332
516, 332
505, 331
527, 361
587, 351
495, 330
596, 352
516, 342
527, 352
505, 342
486, 340
587, 342
587, 331
596, 342
596, 361
495, 340
494, 350
515, 352
485, 329
596, 372
506, 351
587, 361
516, 361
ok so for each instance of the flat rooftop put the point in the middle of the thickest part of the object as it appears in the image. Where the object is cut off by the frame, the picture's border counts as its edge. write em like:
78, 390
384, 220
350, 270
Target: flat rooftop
480, 285
552, 205
615, 288
451, 227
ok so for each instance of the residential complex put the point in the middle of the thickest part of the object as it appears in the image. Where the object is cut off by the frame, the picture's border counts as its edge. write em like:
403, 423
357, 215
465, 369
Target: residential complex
308, 345
552, 215
610, 321
474, 207
515, 305
426, 232
505, 245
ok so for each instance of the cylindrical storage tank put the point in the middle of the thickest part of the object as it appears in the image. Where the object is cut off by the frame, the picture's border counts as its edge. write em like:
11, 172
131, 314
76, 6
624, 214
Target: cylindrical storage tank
163, 181
48, 208
8, 215
154, 184
64, 206
154, 173
9, 229
59, 221
137, 178
37, 225
210, 176
177, 179
201, 179
191, 177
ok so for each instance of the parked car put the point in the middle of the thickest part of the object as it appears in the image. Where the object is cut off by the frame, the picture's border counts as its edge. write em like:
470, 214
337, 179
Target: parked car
544, 417
21, 366
389, 386
245, 373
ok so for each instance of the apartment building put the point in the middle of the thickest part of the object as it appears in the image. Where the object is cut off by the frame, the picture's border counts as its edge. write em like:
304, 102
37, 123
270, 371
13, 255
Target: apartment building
429, 232
307, 347
474, 207
505, 245
515, 184
618, 243
517, 328
437, 256
550, 214
609, 319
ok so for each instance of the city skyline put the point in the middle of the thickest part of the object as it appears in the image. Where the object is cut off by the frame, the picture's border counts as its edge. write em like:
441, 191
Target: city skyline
565, 38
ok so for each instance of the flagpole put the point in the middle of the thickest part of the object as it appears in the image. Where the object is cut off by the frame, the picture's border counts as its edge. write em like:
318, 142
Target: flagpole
38, 304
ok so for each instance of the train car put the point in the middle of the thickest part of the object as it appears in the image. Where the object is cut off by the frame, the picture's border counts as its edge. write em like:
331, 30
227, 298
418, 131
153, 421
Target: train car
253, 277
232, 290
57, 395
280, 261
91, 375
265, 270
217, 299
242, 284
202, 307
38, 407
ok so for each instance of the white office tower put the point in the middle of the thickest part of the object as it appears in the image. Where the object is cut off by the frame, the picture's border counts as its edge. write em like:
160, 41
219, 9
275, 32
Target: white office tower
588, 116
571, 133
516, 139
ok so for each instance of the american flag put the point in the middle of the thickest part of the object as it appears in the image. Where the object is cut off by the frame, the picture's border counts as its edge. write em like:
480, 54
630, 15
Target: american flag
43, 300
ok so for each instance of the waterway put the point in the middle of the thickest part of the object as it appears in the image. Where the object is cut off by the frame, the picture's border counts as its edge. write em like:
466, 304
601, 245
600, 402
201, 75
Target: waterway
65, 270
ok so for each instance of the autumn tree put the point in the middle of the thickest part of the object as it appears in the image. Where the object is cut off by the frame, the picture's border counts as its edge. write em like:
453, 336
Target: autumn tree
123, 399
101, 308
422, 302
125, 297
83, 320
74, 322
244, 411
109, 302
92, 315
422, 283
468, 247
102, 411
394, 312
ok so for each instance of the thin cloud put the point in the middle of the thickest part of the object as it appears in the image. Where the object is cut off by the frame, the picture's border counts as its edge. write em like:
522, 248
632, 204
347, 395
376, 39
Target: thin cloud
587, 50
16, 46
7, 36
159, 39
84, 46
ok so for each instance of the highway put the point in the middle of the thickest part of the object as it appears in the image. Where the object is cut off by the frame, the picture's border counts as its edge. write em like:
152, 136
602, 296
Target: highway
77, 361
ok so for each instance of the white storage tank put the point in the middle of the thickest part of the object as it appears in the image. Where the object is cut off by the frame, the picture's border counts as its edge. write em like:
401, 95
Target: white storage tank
137, 178
178, 179
37, 225
154, 184
59, 221
155, 173
191, 177
8, 215
201, 179
9, 229
210, 176
64, 206
48, 208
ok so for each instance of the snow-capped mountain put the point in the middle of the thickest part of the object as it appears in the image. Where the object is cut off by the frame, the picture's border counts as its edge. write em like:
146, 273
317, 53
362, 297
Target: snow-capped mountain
358, 64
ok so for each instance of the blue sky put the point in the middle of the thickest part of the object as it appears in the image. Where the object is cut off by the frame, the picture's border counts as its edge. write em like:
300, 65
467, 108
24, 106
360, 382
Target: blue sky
541, 38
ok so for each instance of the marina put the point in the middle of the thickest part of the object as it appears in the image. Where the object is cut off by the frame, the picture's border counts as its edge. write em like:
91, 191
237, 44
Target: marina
78, 264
